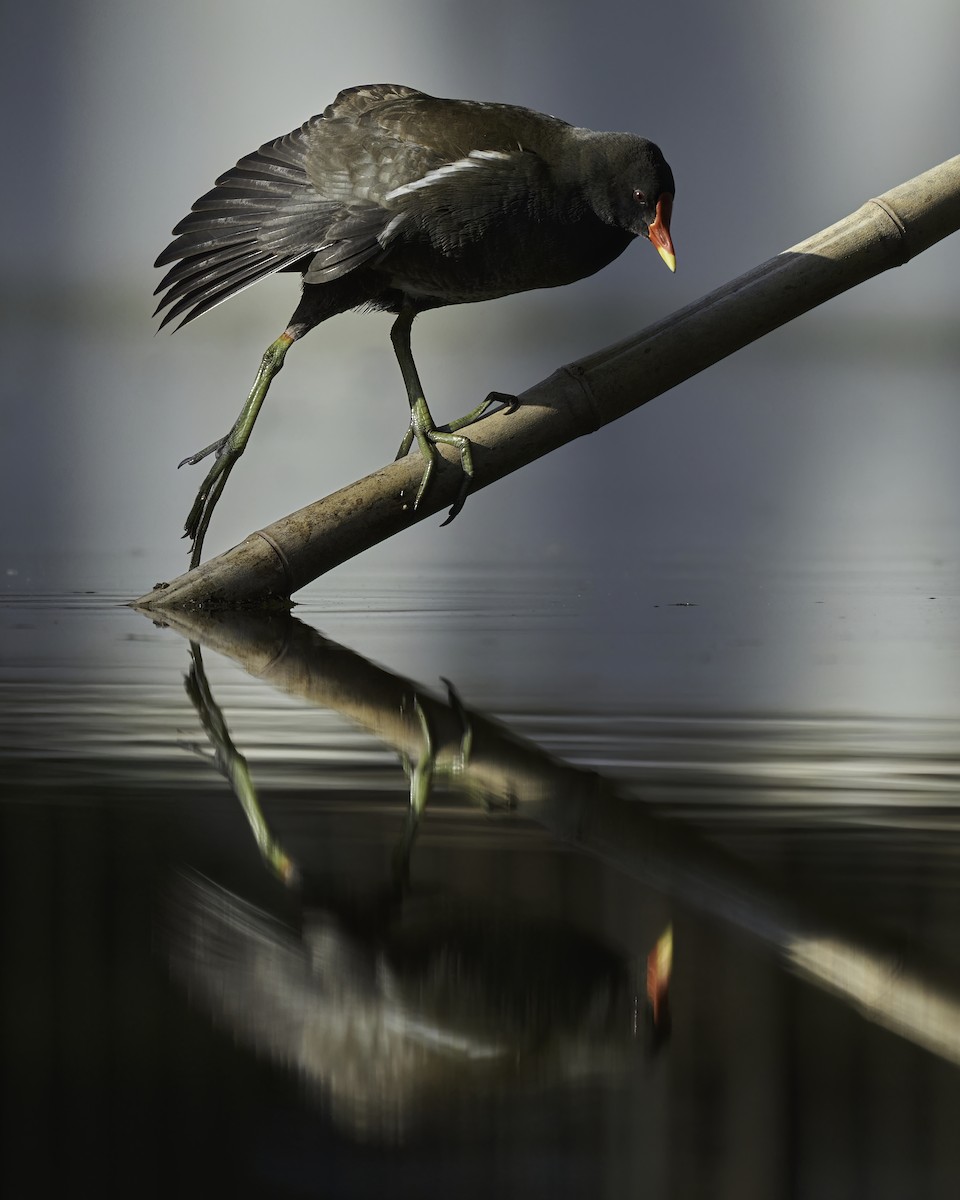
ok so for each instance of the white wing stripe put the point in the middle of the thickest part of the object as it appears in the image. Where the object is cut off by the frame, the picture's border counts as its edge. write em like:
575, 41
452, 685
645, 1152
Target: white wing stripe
476, 158
390, 229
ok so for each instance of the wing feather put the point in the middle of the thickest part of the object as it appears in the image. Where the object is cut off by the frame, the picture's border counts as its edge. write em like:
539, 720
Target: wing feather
217, 248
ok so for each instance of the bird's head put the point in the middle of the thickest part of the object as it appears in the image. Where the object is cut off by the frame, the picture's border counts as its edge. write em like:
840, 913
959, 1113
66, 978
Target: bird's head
631, 186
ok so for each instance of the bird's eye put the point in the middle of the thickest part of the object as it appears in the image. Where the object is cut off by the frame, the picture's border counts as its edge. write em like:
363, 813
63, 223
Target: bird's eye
639, 196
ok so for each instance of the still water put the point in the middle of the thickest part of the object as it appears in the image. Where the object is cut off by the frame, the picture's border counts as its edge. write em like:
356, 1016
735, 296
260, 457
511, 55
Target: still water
366, 900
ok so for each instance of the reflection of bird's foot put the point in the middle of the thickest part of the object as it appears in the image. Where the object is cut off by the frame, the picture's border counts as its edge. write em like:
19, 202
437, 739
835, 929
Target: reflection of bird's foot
462, 760
461, 763
420, 776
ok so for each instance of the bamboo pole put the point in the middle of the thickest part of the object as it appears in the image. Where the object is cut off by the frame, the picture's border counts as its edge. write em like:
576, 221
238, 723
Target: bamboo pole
273, 563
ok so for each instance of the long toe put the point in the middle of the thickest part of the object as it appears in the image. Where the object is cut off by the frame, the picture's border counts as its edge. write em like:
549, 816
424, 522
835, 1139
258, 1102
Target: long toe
216, 447
506, 402
430, 465
510, 402
461, 499
406, 443
465, 448
198, 520
192, 523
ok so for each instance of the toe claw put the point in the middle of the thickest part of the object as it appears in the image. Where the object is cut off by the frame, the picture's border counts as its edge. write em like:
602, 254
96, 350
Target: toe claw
425, 479
459, 502
510, 403
216, 447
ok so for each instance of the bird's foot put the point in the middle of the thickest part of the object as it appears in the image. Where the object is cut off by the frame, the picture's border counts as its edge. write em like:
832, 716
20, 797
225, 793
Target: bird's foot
214, 448
428, 436
226, 454
406, 443
507, 403
462, 444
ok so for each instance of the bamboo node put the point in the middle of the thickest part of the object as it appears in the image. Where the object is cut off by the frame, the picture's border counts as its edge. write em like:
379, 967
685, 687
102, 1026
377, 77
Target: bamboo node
591, 407
901, 231
284, 562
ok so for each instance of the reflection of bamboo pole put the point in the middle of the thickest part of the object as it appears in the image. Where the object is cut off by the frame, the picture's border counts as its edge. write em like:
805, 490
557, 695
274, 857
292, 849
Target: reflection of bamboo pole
583, 809
275, 562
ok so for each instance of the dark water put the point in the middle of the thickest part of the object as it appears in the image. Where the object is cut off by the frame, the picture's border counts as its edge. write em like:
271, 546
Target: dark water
357, 1005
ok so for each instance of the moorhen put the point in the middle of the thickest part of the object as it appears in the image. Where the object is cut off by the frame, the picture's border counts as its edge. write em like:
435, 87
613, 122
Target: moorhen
397, 201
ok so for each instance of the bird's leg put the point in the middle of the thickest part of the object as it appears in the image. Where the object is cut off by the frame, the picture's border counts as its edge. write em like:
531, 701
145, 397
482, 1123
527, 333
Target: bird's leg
228, 449
422, 425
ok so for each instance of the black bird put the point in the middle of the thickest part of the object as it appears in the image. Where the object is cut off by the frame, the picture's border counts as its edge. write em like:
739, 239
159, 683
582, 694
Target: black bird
397, 201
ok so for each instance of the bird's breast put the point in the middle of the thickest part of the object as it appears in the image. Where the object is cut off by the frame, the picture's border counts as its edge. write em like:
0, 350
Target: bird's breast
500, 260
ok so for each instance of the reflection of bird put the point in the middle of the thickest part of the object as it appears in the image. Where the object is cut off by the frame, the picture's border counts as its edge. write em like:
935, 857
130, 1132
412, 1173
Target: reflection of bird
394, 1019
394, 200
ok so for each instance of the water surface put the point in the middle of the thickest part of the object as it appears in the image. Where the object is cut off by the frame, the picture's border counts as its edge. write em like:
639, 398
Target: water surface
765, 766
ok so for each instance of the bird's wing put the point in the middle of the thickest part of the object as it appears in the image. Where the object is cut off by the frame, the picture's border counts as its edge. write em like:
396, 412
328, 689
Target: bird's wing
271, 210
218, 249
380, 161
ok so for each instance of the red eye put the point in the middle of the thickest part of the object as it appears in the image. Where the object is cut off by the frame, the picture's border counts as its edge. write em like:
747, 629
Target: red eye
638, 196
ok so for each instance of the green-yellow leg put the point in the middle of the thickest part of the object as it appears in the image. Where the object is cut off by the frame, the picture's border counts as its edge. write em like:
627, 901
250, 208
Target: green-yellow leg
422, 426
228, 449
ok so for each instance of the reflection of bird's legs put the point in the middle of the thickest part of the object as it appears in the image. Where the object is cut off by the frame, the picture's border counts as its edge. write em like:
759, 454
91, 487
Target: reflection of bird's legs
234, 767
420, 775
461, 763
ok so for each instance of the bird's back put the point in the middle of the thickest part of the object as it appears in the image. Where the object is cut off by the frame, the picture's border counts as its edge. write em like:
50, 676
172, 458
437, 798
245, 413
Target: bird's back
445, 201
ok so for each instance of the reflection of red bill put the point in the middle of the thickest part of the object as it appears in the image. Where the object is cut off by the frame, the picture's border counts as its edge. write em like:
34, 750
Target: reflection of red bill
659, 966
